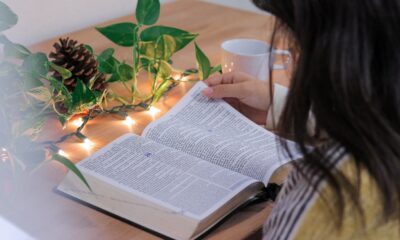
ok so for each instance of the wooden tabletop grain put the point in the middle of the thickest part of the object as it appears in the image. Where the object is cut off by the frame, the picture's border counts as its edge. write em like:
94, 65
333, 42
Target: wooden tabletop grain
31, 203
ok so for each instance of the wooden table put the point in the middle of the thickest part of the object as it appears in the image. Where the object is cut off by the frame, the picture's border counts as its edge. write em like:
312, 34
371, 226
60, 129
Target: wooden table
33, 206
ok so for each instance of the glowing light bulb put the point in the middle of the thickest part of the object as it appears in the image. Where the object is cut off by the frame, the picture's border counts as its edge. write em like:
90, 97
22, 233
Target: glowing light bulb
62, 153
4, 154
177, 76
153, 111
129, 121
87, 144
78, 122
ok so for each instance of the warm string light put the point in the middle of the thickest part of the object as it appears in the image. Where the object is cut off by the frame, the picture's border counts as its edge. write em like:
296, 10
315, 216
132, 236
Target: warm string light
129, 121
4, 154
180, 77
177, 76
88, 144
153, 111
78, 122
62, 153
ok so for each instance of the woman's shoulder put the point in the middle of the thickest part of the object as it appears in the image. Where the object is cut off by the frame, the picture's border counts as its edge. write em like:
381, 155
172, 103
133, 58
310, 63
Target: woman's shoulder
302, 213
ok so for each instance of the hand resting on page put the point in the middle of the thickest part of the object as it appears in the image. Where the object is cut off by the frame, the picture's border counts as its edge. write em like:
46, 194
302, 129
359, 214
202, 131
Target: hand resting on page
246, 94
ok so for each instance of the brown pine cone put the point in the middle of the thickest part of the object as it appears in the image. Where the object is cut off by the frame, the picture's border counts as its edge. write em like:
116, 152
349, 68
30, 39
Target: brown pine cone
80, 62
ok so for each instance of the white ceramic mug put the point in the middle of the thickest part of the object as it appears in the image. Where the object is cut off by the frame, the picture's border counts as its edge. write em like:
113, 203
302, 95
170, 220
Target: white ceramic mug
252, 57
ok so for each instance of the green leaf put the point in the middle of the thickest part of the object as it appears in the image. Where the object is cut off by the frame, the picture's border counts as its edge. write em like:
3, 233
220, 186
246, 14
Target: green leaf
147, 11
65, 73
165, 70
162, 49
216, 69
42, 94
16, 50
63, 119
60, 88
121, 34
7, 17
148, 65
190, 71
115, 77
37, 127
89, 48
106, 61
71, 166
125, 72
181, 37
82, 95
161, 91
10, 79
165, 47
203, 63
36, 66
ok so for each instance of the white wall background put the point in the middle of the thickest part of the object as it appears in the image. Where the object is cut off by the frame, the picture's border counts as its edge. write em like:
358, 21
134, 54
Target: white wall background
43, 19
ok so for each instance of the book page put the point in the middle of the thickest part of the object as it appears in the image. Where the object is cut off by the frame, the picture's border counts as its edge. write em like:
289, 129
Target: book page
214, 131
166, 176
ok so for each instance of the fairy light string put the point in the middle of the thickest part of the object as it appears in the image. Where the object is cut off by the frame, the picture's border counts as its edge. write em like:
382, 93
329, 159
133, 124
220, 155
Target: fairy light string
121, 110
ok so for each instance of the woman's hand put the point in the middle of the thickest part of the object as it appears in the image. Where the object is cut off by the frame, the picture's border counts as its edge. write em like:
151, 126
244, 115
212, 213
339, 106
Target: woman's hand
248, 95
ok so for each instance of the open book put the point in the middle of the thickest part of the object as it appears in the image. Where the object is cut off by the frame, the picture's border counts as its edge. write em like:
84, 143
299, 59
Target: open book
187, 171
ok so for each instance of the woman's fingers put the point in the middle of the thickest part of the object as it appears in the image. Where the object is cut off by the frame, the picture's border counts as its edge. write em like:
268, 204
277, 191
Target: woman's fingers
227, 78
225, 91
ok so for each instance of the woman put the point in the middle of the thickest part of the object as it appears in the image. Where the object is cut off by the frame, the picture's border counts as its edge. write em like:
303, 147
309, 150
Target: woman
347, 74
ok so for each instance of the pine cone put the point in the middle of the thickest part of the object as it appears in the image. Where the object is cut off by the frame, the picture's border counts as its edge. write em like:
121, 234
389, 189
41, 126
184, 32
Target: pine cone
80, 62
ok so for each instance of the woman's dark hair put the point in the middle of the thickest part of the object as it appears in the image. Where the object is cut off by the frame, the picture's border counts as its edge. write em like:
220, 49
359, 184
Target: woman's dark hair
348, 75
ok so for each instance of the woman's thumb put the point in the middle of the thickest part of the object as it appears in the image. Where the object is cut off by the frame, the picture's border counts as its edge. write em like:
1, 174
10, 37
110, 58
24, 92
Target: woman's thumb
224, 91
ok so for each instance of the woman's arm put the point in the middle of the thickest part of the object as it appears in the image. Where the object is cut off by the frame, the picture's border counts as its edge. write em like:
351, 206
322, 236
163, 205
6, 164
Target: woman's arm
249, 96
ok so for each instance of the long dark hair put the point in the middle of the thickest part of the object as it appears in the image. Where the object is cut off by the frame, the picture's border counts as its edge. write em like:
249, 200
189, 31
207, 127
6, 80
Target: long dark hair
348, 75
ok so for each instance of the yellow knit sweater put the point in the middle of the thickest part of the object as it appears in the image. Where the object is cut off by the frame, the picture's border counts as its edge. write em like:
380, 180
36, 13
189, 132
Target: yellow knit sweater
315, 219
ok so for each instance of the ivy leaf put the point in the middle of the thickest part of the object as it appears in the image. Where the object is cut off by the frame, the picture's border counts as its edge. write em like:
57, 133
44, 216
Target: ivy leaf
35, 67
106, 61
165, 70
165, 47
122, 34
162, 49
115, 77
16, 50
125, 72
203, 63
161, 91
82, 95
65, 73
216, 69
89, 48
37, 127
10, 79
71, 166
63, 119
181, 37
7, 17
190, 71
147, 11
148, 65
60, 88
41, 94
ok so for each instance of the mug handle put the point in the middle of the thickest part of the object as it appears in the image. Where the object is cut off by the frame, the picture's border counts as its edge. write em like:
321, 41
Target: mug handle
286, 64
